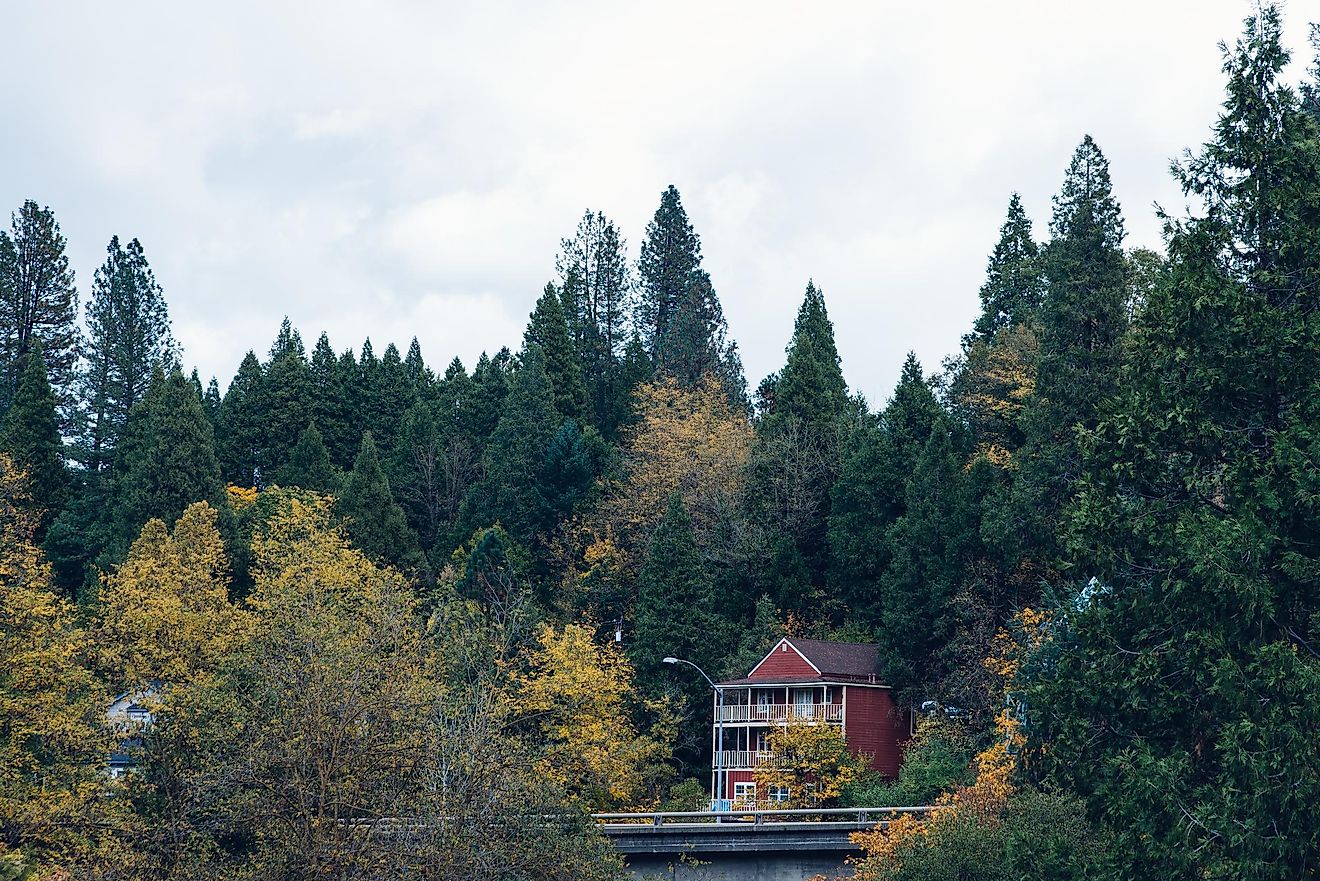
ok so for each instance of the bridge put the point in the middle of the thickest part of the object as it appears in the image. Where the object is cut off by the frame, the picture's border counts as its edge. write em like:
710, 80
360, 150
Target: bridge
757, 845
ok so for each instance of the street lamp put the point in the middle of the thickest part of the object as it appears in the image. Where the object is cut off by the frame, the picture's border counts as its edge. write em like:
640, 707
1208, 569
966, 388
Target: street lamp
717, 743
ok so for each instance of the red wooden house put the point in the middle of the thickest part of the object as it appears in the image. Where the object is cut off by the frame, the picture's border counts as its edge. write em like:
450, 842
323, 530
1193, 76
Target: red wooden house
811, 681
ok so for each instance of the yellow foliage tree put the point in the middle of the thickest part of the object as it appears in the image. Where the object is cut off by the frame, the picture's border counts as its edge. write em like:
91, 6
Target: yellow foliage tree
338, 685
581, 696
165, 612
53, 745
686, 440
993, 388
811, 761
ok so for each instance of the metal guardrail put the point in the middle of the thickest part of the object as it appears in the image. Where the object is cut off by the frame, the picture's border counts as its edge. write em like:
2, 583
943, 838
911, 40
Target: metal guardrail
795, 816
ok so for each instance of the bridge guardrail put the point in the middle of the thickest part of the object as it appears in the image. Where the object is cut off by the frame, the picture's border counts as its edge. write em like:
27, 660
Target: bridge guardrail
861, 816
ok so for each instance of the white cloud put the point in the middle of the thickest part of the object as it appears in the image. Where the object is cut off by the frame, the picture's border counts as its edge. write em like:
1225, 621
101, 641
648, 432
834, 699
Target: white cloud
400, 169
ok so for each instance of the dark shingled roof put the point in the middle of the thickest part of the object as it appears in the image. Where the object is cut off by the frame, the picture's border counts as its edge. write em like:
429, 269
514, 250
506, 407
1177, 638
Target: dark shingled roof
848, 659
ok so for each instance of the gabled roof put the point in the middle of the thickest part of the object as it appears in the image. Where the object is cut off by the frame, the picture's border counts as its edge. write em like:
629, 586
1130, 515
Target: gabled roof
846, 659
829, 661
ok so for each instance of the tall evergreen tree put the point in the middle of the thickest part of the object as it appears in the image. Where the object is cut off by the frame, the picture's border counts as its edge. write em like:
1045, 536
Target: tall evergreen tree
284, 406
671, 256
287, 342
811, 385
242, 430
419, 375
675, 616
375, 522
166, 461
128, 327
392, 395
479, 412
30, 434
1081, 323
211, 403
696, 342
1013, 285
308, 464
566, 473
870, 493
930, 549
342, 401
38, 306
1180, 694
548, 330
675, 609
512, 494
596, 291
796, 458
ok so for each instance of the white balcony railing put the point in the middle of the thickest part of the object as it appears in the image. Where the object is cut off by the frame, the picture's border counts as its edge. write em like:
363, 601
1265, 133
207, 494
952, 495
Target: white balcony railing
742, 758
780, 713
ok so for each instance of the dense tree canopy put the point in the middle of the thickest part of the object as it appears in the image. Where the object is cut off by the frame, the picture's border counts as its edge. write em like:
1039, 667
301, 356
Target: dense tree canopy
355, 587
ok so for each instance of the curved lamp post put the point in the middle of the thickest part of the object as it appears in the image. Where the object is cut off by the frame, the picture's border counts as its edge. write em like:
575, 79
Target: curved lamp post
717, 783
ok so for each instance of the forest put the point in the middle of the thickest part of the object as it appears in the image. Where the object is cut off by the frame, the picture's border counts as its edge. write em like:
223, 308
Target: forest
400, 619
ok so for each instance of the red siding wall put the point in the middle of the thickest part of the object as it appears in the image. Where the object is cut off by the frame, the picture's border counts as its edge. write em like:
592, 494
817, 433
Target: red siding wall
738, 777
783, 663
873, 725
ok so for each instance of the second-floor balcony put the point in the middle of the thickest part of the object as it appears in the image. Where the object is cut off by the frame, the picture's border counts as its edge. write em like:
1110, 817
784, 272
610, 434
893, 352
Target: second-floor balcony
773, 713
745, 759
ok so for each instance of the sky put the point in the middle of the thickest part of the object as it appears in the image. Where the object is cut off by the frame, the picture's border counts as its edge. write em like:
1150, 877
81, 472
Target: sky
408, 169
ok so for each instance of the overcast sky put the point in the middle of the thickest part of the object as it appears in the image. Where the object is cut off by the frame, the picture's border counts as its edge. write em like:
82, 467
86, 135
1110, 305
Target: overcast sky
392, 169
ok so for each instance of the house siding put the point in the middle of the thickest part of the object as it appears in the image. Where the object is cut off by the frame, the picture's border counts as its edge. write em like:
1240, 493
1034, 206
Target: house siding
738, 777
783, 663
874, 726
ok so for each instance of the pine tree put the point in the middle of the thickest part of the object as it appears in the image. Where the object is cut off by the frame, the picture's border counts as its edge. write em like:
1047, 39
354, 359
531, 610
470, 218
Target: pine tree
420, 377
1178, 694
548, 330
38, 306
166, 461
346, 415
695, 342
376, 524
211, 402
308, 465
1081, 324
479, 412
671, 256
811, 385
512, 493
30, 434
129, 337
635, 368
796, 460
870, 493
675, 614
1013, 285
596, 292
930, 548
284, 404
393, 393
567, 472
287, 342
242, 426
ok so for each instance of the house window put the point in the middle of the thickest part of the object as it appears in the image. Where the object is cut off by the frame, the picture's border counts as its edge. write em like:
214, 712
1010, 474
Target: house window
762, 741
744, 792
803, 701
779, 793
